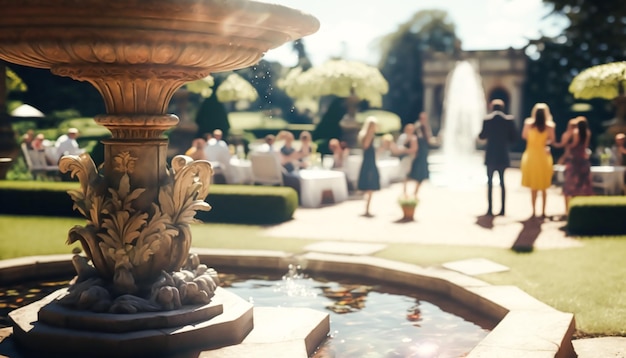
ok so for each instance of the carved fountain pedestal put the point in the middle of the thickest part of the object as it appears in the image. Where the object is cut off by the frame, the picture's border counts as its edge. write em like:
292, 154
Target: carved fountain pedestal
138, 291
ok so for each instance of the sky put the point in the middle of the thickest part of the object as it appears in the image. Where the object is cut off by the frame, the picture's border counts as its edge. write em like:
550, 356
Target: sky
350, 28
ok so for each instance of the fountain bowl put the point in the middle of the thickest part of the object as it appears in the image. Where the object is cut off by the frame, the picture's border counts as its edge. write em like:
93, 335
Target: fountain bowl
200, 35
138, 53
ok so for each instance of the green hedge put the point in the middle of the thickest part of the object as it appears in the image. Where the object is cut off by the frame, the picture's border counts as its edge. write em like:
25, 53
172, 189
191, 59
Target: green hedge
597, 215
250, 204
240, 204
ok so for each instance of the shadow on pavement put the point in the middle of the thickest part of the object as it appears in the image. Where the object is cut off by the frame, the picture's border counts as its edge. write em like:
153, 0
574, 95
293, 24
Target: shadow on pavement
527, 237
485, 221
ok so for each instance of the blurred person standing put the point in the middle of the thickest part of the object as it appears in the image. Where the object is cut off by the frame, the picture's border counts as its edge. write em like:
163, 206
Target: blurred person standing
537, 163
419, 166
577, 174
566, 140
369, 178
500, 133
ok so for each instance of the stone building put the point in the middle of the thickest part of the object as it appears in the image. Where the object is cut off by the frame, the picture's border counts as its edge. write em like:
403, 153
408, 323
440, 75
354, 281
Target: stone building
502, 72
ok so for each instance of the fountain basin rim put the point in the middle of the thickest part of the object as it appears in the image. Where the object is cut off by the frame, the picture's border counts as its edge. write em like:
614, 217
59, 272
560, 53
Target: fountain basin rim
56, 315
525, 324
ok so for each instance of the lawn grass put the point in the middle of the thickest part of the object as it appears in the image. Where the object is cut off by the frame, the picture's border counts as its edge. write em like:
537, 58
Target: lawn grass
32, 235
587, 281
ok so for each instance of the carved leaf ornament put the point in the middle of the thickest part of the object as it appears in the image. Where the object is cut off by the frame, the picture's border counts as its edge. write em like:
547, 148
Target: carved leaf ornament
130, 247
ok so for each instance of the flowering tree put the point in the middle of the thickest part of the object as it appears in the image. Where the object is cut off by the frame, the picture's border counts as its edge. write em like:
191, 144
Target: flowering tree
340, 78
604, 81
236, 88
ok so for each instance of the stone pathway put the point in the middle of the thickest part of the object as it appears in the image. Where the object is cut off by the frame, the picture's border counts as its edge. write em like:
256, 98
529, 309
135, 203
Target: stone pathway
448, 215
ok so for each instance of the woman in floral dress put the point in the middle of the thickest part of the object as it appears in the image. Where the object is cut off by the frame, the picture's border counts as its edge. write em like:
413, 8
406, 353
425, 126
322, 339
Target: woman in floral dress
577, 174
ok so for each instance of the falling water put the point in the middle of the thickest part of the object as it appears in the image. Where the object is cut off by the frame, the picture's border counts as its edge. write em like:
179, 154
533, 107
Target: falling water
464, 110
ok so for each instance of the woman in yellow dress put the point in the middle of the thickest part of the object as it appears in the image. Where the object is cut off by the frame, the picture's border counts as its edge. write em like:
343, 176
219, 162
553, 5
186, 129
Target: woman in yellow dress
537, 162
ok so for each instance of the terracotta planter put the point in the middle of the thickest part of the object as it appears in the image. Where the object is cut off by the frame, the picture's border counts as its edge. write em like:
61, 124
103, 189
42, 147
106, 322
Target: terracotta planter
408, 212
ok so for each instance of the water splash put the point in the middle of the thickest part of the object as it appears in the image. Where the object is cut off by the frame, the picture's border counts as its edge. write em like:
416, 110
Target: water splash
295, 283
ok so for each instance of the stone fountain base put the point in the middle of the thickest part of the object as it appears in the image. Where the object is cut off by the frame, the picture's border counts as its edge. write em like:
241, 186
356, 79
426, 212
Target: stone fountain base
226, 327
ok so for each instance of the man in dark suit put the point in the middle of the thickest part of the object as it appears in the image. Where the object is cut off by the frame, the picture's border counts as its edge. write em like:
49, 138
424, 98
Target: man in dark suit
500, 132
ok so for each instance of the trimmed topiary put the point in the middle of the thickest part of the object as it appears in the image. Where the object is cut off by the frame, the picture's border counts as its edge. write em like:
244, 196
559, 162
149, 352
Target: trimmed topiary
597, 215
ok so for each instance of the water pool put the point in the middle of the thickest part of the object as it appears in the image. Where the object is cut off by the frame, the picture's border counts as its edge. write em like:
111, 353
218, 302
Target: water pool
368, 319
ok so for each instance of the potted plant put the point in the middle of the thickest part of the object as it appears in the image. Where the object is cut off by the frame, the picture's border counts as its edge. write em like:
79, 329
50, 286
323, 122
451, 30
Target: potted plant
408, 205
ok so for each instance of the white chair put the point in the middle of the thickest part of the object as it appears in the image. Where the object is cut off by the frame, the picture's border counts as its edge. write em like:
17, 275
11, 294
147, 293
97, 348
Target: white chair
38, 165
266, 168
219, 156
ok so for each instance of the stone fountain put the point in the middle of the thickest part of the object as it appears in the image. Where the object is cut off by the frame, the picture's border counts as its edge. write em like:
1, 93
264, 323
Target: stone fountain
137, 290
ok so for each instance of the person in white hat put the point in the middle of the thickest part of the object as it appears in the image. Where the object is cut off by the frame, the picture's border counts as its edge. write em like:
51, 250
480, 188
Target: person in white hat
66, 144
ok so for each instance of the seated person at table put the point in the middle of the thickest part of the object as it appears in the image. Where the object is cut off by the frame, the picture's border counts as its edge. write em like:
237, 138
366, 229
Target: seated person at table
28, 138
216, 151
289, 157
306, 149
406, 148
340, 152
404, 140
216, 138
290, 179
67, 144
618, 157
41, 144
387, 147
268, 144
196, 151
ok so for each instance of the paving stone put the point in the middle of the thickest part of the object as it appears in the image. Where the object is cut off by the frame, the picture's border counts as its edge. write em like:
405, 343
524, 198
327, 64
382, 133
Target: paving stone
345, 248
606, 347
477, 266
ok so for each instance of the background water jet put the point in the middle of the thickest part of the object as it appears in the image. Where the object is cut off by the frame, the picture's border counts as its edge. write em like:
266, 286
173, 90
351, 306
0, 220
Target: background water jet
459, 163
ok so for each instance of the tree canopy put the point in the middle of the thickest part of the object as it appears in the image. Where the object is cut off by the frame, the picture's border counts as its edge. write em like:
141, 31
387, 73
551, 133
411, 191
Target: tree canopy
402, 58
595, 33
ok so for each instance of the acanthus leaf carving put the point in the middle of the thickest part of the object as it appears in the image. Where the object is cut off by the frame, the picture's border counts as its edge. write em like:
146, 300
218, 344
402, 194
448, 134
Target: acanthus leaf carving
131, 247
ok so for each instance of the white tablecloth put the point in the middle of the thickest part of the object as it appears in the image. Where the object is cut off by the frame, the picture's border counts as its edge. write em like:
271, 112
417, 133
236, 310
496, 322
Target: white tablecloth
608, 178
388, 169
240, 170
314, 182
